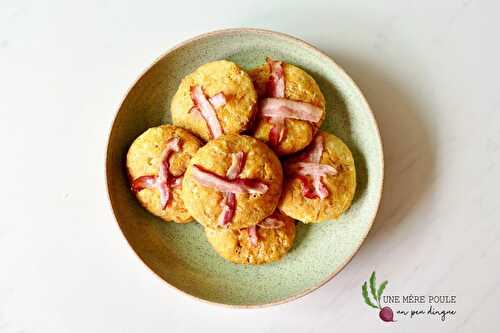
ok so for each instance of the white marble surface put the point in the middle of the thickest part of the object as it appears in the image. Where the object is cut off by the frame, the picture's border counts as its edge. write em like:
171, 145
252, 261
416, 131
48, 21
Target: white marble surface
430, 71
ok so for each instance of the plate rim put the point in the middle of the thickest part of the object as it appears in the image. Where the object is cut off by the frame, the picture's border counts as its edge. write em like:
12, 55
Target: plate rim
345, 77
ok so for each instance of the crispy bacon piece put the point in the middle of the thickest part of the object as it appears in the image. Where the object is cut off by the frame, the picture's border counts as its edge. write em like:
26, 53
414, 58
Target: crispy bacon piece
238, 185
277, 108
308, 164
271, 223
164, 193
196, 112
316, 150
286, 108
276, 84
252, 233
229, 199
164, 181
278, 131
319, 188
228, 209
218, 100
143, 182
305, 185
311, 153
176, 181
206, 108
275, 87
312, 169
229, 185
237, 163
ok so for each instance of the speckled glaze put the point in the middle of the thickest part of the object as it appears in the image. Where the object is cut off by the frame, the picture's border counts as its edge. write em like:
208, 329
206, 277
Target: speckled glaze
180, 254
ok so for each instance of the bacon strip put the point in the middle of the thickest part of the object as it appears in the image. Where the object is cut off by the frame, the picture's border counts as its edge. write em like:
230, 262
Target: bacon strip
252, 233
271, 223
312, 169
275, 87
229, 199
286, 108
164, 194
218, 100
316, 150
228, 210
164, 180
176, 181
207, 111
143, 182
276, 83
307, 189
164, 174
312, 153
308, 164
229, 185
238, 185
237, 163
277, 108
173, 145
278, 130
319, 188
196, 112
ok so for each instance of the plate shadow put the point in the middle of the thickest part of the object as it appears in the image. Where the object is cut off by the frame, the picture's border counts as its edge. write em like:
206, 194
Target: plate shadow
408, 140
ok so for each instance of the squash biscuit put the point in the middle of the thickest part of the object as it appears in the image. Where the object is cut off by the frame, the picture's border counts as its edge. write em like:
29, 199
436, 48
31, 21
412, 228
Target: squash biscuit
266, 242
234, 181
288, 84
321, 181
217, 98
156, 162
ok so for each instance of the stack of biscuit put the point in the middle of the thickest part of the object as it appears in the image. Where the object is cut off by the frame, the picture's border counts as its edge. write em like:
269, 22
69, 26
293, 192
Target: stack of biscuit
244, 158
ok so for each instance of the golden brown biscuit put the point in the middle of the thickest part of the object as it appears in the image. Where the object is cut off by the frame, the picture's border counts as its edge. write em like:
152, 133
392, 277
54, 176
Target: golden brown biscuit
213, 78
264, 246
260, 171
340, 187
299, 86
144, 159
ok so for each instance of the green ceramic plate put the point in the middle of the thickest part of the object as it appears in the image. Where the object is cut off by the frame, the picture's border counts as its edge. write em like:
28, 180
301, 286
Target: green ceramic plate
180, 254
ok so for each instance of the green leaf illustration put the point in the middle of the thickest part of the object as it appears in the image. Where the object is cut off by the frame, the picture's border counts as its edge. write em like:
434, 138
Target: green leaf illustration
366, 297
381, 289
373, 287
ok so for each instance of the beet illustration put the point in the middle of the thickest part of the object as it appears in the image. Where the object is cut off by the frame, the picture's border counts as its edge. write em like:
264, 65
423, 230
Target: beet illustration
386, 314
